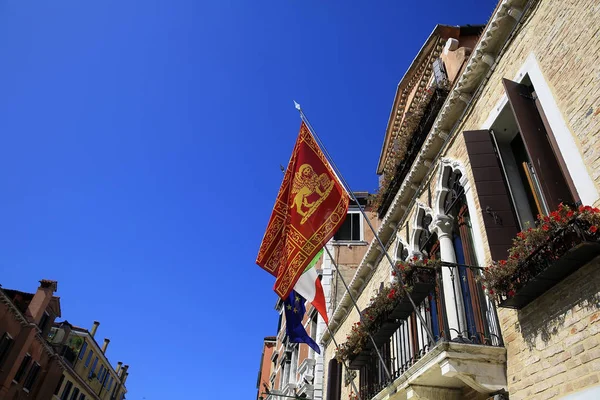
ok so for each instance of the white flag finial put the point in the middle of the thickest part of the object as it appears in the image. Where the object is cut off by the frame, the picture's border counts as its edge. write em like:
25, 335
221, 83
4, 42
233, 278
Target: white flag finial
297, 106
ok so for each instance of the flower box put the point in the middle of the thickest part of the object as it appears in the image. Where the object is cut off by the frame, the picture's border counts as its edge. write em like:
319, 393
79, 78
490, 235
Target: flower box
568, 249
383, 332
361, 359
422, 281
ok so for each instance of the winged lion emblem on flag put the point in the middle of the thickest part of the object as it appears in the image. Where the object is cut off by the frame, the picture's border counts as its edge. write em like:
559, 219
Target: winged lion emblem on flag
306, 182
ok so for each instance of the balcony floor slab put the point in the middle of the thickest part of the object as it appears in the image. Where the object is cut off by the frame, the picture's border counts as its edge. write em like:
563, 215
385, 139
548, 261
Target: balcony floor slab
451, 367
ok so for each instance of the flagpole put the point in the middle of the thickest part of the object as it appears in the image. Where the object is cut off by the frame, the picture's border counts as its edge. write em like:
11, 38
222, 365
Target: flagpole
360, 316
362, 211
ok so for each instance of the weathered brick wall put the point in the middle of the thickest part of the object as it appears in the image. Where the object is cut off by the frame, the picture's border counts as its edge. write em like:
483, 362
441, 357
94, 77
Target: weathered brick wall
565, 39
553, 344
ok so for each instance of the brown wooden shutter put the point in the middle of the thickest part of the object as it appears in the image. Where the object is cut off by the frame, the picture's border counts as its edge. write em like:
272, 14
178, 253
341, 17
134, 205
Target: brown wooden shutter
494, 199
334, 380
540, 151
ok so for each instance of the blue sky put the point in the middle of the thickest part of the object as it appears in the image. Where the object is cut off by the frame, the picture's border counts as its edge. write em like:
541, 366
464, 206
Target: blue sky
141, 144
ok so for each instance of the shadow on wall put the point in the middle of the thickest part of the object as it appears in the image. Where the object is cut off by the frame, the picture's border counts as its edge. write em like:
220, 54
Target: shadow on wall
563, 306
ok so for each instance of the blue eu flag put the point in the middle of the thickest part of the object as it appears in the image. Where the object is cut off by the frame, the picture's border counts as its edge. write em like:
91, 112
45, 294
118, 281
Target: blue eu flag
294, 312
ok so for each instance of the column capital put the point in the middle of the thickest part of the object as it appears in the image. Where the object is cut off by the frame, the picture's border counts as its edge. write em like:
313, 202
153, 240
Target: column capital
442, 225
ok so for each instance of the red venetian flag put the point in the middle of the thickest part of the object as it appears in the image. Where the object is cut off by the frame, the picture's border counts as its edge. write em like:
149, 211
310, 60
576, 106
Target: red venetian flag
309, 209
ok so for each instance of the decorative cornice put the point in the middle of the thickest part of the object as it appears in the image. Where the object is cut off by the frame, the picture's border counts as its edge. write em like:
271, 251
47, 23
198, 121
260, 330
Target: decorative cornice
491, 42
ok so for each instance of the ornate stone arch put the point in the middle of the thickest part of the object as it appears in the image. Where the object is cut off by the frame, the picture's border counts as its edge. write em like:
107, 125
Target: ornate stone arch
422, 222
401, 251
451, 174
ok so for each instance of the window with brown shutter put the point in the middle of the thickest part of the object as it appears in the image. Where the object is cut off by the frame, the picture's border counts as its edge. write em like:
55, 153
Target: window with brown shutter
493, 192
545, 159
334, 380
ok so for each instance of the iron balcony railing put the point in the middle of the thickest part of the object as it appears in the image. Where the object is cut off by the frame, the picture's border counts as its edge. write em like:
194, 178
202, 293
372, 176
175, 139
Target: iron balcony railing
455, 310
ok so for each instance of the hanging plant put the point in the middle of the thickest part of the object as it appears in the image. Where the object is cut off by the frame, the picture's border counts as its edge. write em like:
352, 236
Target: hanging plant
380, 306
505, 276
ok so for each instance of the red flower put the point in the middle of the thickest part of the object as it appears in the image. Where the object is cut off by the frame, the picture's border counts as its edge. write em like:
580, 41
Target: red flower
593, 228
511, 293
570, 214
402, 267
581, 209
491, 291
415, 258
520, 235
545, 227
393, 273
502, 262
358, 323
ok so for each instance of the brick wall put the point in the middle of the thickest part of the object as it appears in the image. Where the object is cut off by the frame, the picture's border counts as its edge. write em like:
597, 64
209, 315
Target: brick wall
565, 39
553, 344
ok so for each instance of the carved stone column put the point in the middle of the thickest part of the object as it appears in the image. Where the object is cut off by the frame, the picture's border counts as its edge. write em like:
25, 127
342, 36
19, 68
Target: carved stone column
450, 277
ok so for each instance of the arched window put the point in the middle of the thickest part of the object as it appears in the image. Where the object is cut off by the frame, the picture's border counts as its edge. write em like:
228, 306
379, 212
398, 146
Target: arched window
401, 252
455, 191
428, 242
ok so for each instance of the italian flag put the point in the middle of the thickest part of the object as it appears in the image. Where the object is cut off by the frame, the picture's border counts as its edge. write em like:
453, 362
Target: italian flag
309, 287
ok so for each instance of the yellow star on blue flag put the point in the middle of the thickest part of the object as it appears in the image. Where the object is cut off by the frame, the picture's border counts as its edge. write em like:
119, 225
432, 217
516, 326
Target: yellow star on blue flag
294, 313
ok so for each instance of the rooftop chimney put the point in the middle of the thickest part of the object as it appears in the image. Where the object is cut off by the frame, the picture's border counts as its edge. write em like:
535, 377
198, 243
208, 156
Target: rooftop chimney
40, 300
124, 373
119, 367
94, 328
105, 345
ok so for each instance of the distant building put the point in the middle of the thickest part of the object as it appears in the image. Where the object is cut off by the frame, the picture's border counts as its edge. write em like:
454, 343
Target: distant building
88, 373
44, 360
264, 372
29, 367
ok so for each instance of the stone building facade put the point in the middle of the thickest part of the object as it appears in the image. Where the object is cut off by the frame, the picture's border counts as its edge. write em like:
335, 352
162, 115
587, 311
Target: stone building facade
88, 373
464, 169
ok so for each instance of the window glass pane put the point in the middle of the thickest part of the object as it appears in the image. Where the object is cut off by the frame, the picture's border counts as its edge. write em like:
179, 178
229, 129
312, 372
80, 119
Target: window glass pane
345, 231
355, 226
89, 357
5, 345
75, 394
32, 376
23, 367
93, 366
66, 391
82, 352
